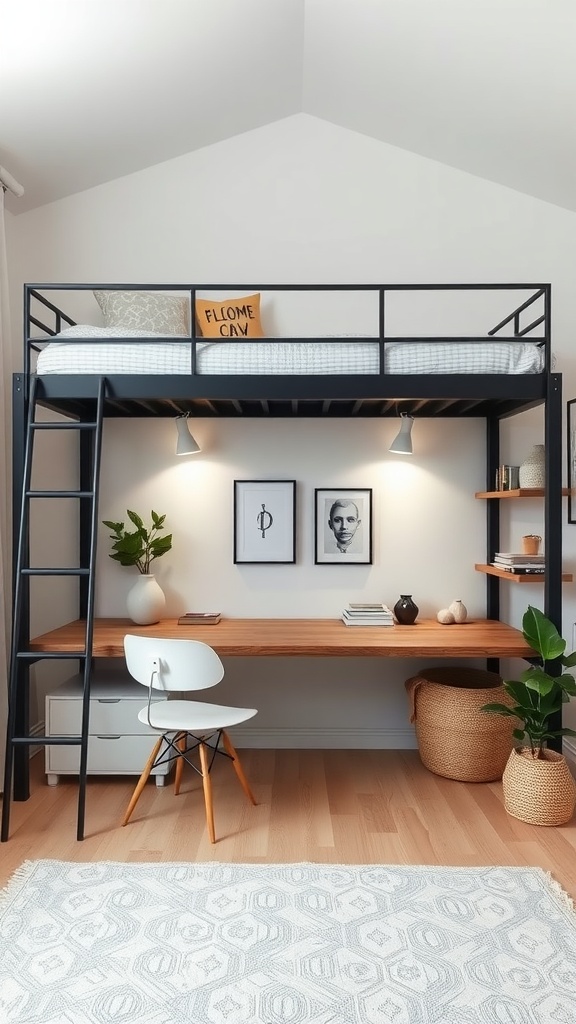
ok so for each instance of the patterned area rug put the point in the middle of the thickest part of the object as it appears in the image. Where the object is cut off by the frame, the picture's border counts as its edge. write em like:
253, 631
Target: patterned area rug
112, 943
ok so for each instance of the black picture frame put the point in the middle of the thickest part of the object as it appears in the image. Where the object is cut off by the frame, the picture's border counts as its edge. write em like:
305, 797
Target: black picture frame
571, 457
333, 543
264, 522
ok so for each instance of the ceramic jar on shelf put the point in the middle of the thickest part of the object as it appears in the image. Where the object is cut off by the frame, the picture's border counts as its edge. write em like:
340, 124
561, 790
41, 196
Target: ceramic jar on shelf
532, 471
405, 610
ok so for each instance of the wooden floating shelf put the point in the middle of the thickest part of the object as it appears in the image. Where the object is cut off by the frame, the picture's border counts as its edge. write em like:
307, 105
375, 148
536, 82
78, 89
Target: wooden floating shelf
525, 577
519, 492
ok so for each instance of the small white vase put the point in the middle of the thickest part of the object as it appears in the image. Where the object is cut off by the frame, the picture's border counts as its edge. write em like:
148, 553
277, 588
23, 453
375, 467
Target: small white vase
532, 472
145, 601
459, 611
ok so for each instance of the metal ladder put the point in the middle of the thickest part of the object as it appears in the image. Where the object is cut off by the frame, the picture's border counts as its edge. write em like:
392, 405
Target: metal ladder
18, 738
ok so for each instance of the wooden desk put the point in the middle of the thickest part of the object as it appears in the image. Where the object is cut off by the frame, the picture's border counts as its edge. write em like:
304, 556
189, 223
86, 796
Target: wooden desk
480, 638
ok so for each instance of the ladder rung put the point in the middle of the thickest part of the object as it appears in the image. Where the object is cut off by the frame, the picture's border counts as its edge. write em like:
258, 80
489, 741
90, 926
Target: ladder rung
59, 494
55, 572
56, 741
50, 655
88, 425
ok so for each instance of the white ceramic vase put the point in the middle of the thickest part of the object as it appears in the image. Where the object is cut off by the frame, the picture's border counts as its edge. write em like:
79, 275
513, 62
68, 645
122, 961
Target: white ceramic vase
145, 601
458, 610
532, 472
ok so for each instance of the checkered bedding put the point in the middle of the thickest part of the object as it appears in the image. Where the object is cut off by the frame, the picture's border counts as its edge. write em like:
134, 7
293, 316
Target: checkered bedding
354, 355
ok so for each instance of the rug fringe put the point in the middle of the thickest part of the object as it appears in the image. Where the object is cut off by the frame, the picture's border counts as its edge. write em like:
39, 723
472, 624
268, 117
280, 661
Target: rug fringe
16, 881
565, 898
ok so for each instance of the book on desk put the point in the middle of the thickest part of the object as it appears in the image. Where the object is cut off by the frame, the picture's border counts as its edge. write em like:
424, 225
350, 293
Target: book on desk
358, 614
199, 619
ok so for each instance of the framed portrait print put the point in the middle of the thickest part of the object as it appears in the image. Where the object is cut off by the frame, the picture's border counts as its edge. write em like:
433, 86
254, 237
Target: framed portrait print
343, 526
265, 521
571, 449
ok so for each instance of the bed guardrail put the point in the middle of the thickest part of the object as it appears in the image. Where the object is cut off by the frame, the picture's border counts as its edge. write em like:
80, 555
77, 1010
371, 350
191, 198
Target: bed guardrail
42, 314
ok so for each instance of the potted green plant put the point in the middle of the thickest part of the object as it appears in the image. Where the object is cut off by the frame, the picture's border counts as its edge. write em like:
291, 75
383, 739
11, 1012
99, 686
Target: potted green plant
140, 547
537, 782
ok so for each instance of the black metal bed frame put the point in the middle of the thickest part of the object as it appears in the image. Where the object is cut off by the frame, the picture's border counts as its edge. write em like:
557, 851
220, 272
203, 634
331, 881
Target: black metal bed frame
326, 395
491, 396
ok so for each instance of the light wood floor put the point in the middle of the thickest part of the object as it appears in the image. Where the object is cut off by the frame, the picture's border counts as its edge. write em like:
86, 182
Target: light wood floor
335, 806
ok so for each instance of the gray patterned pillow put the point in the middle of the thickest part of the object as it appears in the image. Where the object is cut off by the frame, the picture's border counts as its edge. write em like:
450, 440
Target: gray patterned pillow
145, 311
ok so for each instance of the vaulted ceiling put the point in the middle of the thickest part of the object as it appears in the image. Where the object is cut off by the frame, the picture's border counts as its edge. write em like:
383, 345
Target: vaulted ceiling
91, 90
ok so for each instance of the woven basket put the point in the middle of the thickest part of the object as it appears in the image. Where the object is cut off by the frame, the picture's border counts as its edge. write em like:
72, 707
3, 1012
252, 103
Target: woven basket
455, 738
540, 791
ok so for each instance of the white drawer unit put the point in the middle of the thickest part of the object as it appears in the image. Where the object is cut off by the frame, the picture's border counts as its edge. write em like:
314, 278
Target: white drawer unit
118, 743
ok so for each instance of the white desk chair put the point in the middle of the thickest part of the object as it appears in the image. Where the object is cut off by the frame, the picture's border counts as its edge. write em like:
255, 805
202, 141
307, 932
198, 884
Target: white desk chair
183, 665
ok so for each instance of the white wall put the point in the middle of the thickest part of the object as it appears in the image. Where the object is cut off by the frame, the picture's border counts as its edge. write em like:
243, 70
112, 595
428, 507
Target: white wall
304, 201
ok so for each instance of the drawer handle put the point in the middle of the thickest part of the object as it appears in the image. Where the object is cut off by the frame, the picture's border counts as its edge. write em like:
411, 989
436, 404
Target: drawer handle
109, 700
108, 737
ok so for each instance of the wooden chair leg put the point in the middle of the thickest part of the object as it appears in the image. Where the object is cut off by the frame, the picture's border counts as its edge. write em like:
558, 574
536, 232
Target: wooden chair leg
237, 766
203, 751
180, 742
142, 781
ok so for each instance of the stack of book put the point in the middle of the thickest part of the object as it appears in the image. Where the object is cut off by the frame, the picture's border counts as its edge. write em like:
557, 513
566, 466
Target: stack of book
199, 619
521, 565
359, 614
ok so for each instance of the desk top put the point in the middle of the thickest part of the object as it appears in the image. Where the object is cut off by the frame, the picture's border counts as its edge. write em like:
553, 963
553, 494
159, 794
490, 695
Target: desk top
480, 638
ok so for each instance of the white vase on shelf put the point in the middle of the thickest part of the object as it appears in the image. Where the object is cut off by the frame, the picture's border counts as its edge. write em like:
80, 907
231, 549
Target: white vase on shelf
145, 601
533, 470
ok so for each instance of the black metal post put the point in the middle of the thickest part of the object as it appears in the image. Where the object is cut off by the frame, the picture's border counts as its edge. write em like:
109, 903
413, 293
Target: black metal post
553, 521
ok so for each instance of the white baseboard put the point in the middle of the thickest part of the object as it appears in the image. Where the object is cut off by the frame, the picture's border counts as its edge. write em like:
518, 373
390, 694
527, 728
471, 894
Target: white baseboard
307, 739
324, 739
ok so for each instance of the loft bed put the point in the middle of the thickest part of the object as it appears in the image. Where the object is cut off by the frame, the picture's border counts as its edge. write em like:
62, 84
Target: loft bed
501, 366
403, 350
380, 362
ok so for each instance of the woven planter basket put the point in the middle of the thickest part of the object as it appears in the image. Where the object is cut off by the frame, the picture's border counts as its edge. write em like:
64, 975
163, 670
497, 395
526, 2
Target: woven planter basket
455, 738
540, 791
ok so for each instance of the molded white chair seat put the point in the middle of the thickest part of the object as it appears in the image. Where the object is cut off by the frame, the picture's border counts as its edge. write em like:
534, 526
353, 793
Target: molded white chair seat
182, 666
193, 716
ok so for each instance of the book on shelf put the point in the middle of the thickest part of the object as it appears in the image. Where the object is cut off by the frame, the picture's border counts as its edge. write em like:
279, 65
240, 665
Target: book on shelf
518, 565
199, 619
521, 570
519, 559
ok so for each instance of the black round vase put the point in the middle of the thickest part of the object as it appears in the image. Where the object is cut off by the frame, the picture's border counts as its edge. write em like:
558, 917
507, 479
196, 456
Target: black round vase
405, 610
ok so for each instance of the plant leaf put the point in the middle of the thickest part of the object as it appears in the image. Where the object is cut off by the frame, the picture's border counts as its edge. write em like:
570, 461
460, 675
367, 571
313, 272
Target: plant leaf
542, 634
135, 519
520, 693
539, 680
115, 527
567, 683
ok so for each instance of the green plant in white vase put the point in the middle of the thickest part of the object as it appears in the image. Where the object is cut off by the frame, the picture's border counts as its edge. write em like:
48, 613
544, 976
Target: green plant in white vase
141, 546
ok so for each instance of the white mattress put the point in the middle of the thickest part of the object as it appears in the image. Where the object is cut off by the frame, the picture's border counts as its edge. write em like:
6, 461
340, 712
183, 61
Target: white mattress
356, 355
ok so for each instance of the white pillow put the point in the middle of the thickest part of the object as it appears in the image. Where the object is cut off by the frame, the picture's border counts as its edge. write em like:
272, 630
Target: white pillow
145, 311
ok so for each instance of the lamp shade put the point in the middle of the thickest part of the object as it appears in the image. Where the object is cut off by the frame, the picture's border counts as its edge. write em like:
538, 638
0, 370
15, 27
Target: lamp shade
186, 445
402, 443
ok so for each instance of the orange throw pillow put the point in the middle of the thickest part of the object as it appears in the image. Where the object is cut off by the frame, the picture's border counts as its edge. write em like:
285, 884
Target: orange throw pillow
230, 318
